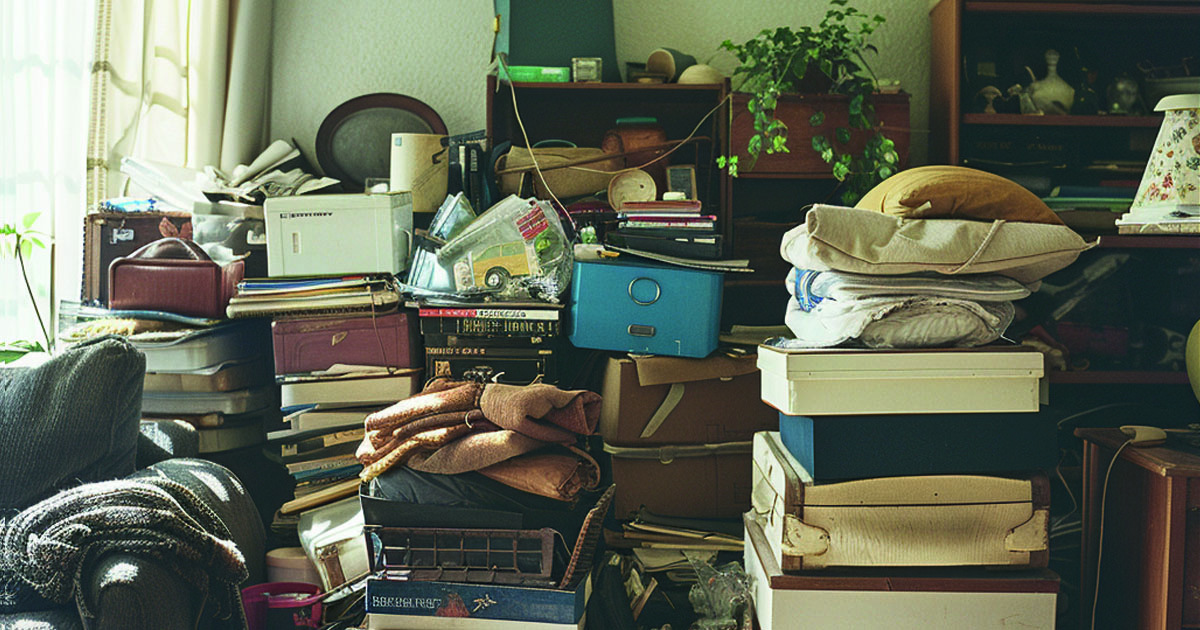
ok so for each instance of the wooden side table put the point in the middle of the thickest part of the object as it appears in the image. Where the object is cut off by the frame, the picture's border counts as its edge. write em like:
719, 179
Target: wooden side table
1150, 568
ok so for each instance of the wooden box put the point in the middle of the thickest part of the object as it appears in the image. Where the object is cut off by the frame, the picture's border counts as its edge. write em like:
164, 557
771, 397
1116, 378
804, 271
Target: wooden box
896, 599
928, 520
853, 381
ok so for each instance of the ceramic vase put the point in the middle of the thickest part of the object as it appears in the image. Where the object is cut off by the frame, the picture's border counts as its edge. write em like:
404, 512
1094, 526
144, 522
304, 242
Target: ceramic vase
1052, 95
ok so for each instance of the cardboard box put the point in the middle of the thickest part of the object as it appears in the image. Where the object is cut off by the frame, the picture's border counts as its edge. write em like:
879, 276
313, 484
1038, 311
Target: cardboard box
645, 308
845, 381
855, 447
896, 599
928, 520
668, 400
689, 481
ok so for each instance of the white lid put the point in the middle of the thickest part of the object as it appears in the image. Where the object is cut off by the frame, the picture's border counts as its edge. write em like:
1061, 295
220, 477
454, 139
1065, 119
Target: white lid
1178, 101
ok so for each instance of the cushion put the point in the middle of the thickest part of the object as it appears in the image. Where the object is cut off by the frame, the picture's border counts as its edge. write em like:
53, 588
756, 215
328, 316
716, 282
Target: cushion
863, 241
71, 420
956, 192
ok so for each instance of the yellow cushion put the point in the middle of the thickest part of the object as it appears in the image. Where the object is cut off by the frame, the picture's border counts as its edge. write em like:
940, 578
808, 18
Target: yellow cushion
956, 192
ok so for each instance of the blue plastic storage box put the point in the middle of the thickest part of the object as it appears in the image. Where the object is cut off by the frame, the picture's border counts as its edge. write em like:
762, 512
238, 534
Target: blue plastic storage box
645, 308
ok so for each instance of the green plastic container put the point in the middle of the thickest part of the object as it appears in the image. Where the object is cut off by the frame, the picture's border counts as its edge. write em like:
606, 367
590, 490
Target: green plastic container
536, 74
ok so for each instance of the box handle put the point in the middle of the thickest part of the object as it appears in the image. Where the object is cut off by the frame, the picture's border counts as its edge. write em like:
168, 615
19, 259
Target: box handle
674, 395
657, 291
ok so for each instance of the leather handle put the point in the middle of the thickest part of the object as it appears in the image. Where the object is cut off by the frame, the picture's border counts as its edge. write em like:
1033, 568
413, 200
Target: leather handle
171, 248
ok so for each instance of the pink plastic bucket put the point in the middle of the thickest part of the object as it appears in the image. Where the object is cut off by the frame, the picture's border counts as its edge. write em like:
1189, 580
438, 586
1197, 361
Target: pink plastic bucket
282, 606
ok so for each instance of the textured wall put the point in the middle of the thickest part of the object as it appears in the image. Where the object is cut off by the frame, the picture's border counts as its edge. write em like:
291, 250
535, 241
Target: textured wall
328, 51
699, 27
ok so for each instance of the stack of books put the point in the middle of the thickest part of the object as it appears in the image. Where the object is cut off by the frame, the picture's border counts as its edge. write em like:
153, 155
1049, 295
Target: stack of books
269, 297
317, 447
673, 227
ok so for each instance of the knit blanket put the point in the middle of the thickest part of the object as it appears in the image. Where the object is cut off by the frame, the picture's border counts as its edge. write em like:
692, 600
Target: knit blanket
53, 545
457, 426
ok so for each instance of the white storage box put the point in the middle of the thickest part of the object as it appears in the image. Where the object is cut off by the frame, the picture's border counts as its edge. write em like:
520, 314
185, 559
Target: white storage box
323, 235
845, 381
896, 599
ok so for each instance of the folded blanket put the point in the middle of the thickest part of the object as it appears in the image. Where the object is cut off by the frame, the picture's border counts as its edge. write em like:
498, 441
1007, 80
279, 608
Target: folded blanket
907, 322
52, 544
454, 427
810, 286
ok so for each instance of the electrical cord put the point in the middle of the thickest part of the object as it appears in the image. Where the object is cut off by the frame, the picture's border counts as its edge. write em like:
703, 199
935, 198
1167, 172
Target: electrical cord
1100, 542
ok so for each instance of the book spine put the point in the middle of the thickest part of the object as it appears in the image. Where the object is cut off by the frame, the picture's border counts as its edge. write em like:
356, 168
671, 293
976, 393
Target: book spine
674, 225
514, 342
492, 313
322, 464
482, 601
484, 327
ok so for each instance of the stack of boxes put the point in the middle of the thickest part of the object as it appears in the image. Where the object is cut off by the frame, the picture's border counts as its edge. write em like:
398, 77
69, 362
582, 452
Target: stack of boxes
908, 471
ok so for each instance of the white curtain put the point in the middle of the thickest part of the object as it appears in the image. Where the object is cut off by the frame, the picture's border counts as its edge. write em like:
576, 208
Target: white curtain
179, 82
45, 49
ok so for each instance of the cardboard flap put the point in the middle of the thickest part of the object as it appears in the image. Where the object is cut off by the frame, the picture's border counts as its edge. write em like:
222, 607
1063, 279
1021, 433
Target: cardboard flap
659, 370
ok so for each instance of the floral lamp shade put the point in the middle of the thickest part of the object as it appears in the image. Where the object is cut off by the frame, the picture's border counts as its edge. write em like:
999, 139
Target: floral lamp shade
1172, 178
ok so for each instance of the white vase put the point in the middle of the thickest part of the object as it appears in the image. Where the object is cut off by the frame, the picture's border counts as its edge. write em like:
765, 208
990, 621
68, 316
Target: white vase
1052, 95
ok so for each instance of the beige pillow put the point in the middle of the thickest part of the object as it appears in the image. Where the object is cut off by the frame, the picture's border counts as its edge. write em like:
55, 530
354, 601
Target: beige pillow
861, 241
956, 192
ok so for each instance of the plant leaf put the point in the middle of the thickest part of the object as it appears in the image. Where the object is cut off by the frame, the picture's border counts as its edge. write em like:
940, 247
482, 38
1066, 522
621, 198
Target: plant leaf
843, 135
817, 119
29, 219
26, 249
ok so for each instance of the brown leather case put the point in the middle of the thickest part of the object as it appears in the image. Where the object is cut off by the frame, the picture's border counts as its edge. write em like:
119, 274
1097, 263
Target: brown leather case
110, 235
173, 275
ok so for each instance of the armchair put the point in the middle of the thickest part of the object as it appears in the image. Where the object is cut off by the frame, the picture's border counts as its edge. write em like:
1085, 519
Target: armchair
74, 421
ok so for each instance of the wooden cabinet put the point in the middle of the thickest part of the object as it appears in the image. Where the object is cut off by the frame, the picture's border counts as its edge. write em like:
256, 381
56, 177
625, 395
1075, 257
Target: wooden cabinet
977, 44
1147, 510
581, 113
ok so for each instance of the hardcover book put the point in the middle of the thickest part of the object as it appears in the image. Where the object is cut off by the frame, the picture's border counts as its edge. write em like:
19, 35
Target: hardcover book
479, 601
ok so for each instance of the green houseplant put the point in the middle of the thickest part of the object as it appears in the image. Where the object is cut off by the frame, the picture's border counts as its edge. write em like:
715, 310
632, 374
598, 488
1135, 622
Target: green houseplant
18, 242
829, 57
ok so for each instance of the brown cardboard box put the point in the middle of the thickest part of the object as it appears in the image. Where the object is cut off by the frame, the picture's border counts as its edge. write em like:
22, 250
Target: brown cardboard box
652, 400
688, 481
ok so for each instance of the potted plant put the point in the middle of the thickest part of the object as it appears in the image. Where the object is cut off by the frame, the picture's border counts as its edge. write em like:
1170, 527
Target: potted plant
19, 243
829, 58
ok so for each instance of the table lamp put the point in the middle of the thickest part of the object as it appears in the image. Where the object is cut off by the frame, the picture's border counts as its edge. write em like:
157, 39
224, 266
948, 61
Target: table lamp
1171, 182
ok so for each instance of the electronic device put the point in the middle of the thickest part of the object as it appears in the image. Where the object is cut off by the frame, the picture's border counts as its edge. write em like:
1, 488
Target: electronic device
324, 235
1140, 435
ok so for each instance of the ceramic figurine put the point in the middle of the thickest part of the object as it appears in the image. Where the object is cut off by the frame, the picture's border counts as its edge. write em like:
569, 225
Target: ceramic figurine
990, 93
1123, 97
1052, 95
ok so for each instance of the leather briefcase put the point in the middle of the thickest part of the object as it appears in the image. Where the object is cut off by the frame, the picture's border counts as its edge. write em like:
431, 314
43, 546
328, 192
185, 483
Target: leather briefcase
173, 275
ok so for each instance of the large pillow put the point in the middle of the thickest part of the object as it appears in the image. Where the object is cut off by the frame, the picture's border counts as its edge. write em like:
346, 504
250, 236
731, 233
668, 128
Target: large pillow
956, 192
862, 241
71, 420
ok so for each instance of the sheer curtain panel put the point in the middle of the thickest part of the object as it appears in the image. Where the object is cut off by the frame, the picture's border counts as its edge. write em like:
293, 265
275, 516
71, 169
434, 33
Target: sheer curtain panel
45, 53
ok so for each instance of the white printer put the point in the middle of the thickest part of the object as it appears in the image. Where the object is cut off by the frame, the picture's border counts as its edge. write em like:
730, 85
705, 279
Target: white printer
325, 235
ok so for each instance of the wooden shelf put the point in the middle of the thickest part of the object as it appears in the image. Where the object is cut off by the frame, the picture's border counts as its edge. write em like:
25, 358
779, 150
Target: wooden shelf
1036, 6
1119, 377
1151, 241
1063, 121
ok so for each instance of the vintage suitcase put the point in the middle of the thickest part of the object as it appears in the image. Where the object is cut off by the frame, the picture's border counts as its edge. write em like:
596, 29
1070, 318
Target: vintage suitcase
834, 448
109, 235
312, 344
689, 481
844, 381
332, 537
920, 598
669, 400
645, 308
173, 275
515, 366
929, 520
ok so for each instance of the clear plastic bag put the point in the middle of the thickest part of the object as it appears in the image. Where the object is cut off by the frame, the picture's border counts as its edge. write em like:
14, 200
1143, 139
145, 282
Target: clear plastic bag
515, 251
721, 596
